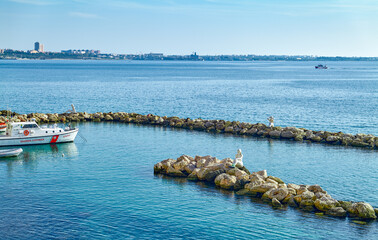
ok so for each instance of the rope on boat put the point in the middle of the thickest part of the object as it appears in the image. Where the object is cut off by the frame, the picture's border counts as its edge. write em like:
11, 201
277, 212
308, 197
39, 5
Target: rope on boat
82, 137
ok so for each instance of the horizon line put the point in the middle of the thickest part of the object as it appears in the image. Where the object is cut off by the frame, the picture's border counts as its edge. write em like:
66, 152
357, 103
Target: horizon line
194, 52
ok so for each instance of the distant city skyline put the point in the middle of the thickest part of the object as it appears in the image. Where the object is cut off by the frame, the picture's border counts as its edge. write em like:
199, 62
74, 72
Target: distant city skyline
208, 27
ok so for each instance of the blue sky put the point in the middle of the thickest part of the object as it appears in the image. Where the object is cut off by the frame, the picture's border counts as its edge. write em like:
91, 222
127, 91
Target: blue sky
322, 27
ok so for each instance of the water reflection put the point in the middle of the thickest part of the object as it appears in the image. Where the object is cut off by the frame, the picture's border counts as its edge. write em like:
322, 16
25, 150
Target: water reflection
31, 154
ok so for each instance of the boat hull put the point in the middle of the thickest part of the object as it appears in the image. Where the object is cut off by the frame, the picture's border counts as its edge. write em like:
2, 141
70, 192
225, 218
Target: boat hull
10, 152
66, 136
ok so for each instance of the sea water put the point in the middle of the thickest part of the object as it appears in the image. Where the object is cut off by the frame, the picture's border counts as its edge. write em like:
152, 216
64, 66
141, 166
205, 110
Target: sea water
341, 98
105, 188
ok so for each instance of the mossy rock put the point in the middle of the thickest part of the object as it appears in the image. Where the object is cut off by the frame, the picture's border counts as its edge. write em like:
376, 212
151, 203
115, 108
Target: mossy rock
299, 138
307, 205
346, 204
359, 143
278, 180
246, 192
359, 222
276, 203
316, 139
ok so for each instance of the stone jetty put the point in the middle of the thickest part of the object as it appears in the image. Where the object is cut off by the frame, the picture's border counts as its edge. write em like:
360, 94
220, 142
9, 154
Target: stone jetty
270, 189
214, 126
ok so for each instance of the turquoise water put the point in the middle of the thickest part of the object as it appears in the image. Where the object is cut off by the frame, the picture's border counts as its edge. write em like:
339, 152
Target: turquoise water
105, 188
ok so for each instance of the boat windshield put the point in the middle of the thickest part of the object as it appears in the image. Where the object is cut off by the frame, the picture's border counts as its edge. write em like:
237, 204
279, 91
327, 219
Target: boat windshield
30, 126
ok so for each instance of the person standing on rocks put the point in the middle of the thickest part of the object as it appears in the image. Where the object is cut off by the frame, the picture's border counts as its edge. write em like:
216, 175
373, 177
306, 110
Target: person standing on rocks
271, 121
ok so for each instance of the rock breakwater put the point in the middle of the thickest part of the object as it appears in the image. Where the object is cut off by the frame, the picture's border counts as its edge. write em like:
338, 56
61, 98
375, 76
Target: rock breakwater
270, 189
214, 126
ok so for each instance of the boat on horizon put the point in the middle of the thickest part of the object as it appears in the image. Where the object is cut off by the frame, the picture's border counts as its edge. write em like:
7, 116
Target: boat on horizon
30, 133
321, 66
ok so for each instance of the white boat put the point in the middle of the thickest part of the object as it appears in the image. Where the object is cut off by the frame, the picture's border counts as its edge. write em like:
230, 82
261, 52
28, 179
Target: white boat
28, 133
12, 152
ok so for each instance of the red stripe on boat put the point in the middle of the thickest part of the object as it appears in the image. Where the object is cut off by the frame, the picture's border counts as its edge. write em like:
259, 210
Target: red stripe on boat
54, 139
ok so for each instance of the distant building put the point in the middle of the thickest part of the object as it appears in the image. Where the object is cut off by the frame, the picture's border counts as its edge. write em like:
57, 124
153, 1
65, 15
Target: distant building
1, 50
194, 56
74, 51
153, 56
158, 55
38, 47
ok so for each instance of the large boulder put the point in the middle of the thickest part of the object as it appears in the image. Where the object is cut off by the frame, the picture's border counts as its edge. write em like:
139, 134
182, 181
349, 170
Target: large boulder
210, 172
332, 139
190, 167
229, 129
309, 134
252, 131
193, 176
268, 180
276, 179
174, 172
158, 168
246, 192
362, 210
279, 193
185, 157
324, 204
315, 138
346, 205
293, 186
241, 175
165, 164
243, 168
336, 212
254, 180
307, 205
307, 195
359, 143
261, 173
276, 203
290, 201
108, 118
302, 189
275, 134
322, 194
287, 134
181, 164
315, 189
263, 187
262, 133
205, 161
225, 181
227, 162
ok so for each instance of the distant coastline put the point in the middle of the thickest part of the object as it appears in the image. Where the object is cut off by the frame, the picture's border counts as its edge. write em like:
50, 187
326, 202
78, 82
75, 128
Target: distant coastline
21, 55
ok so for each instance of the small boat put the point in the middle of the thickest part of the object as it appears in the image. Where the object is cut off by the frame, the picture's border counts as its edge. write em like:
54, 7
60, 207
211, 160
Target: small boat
11, 152
28, 133
320, 66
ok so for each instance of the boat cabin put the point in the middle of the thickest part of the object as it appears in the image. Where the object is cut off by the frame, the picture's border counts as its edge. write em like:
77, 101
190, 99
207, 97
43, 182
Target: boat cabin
24, 129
